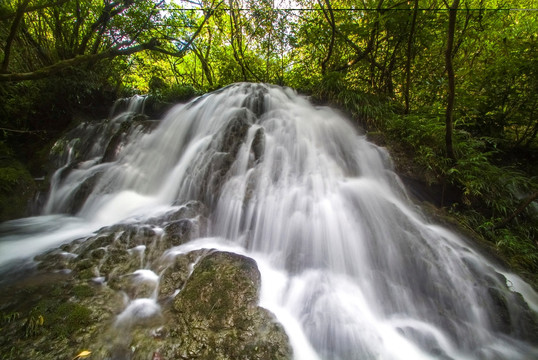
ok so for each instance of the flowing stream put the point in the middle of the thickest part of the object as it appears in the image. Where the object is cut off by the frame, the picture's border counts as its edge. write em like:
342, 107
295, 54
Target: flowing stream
350, 267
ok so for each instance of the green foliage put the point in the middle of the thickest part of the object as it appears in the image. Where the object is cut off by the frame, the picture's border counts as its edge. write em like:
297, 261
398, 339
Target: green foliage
371, 109
34, 323
175, 93
17, 186
500, 99
10, 317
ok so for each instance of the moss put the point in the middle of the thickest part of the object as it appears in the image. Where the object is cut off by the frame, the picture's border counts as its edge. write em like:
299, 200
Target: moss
215, 316
222, 285
218, 316
83, 291
68, 319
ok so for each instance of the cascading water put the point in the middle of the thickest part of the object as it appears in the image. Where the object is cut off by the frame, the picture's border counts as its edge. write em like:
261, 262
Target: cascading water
349, 266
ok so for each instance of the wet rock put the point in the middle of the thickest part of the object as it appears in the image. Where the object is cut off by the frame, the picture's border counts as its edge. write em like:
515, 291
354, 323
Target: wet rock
113, 146
524, 319
118, 263
188, 210
178, 232
216, 175
218, 316
255, 101
258, 145
219, 161
120, 135
220, 283
175, 275
53, 315
501, 316
235, 132
81, 194
510, 314
201, 304
85, 247
55, 260
135, 285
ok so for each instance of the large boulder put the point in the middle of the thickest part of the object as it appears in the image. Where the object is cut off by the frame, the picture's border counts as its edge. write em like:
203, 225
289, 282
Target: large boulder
216, 316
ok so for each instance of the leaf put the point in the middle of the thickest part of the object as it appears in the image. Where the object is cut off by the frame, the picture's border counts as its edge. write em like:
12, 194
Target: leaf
82, 354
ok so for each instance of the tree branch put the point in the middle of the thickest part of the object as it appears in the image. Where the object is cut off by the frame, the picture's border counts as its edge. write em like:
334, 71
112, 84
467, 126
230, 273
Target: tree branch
10, 14
187, 45
410, 41
81, 59
109, 11
361, 54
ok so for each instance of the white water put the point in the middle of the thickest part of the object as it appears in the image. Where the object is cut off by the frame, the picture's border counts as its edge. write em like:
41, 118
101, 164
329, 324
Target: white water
349, 266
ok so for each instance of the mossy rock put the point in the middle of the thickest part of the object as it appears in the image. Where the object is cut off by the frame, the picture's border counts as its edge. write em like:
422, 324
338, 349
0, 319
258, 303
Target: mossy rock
50, 317
67, 319
178, 232
189, 210
218, 315
221, 284
175, 275
215, 315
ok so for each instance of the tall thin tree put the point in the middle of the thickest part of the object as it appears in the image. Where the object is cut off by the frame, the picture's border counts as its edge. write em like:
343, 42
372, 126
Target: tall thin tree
410, 41
449, 55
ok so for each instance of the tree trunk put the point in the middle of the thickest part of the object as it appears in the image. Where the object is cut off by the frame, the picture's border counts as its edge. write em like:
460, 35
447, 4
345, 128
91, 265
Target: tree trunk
449, 118
205, 65
329, 16
408, 60
11, 37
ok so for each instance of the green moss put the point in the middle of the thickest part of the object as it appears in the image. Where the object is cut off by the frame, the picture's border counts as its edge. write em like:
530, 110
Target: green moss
86, 274
218, 316
83, 291
68, 319
221, 286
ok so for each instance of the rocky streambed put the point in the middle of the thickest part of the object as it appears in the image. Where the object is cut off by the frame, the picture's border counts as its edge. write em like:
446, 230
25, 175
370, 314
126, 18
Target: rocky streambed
130, 292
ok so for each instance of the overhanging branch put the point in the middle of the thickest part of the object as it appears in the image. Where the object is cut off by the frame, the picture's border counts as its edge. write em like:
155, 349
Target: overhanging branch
10, 14
81, 59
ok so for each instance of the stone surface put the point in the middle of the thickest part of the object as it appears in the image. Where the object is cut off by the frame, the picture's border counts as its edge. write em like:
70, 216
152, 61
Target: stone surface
122, 295
216, 316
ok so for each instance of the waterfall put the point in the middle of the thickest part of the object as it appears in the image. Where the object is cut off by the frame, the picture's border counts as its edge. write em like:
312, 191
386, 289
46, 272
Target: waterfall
349, 266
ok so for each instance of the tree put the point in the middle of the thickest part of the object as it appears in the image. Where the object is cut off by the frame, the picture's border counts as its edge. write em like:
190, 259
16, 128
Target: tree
66, 34
409, 53
449, 54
